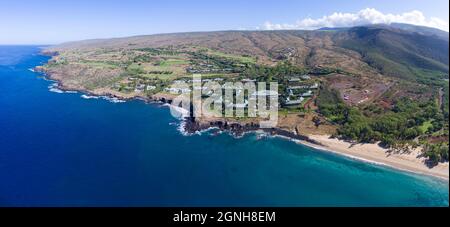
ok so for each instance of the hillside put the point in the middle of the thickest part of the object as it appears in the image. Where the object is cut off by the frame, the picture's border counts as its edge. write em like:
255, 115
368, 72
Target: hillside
397, 50
399, 53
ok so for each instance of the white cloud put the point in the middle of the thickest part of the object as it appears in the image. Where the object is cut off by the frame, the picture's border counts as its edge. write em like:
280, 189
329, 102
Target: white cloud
363, 17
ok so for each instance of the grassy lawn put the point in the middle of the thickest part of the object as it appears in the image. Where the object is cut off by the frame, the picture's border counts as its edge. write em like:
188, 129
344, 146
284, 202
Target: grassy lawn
177, 67
172, 62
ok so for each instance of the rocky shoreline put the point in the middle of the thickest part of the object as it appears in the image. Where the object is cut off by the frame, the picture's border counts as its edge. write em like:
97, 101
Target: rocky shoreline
60, 86
236, 128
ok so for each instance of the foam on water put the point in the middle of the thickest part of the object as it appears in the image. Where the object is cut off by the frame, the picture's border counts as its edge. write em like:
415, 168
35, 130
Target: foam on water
84, 96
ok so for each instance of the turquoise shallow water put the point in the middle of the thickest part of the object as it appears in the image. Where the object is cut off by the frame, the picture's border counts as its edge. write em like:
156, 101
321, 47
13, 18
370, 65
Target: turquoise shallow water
62, 150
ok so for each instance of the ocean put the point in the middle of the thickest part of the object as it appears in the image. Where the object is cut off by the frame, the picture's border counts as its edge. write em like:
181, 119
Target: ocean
60, 149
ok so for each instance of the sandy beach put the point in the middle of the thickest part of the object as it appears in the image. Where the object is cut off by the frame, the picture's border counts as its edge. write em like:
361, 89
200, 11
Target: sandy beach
374, 153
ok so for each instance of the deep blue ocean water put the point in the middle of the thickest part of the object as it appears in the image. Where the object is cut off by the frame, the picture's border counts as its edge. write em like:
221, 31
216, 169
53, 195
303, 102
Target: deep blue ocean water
62, 150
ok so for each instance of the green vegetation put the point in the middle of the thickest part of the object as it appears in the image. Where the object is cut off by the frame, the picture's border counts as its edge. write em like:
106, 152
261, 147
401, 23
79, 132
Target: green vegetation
445, 100
204, 62
426, 126
396, 128
135, 70
171, 62
281, 72
436, 153
327, 71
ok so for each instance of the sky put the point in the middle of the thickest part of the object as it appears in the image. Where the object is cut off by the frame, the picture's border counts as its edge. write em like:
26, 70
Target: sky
53, 22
